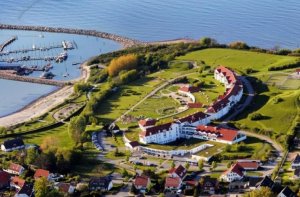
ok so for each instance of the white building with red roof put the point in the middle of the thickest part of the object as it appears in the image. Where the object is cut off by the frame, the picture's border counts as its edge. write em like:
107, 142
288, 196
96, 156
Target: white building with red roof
145, 123
234, 173
173, 183
141, 183
14, 168
247, 164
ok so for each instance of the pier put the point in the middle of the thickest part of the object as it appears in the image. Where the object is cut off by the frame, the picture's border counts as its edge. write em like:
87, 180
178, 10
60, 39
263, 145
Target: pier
11, 76
3, 53
126, 42
2, 46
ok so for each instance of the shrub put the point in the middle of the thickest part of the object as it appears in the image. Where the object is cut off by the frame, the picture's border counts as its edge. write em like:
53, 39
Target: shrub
256, 116
238, 45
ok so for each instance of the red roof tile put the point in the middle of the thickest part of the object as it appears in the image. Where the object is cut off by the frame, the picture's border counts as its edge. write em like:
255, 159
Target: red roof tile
190, 89
249, 164
194, 105
222, 134
41, 173
236, 168
172, 182
18, 181
15, 167
147, 122
141, 181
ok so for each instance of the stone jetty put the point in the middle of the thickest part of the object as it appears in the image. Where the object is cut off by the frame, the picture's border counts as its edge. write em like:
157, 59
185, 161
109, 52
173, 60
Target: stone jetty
7, 42
11, 76
126, 42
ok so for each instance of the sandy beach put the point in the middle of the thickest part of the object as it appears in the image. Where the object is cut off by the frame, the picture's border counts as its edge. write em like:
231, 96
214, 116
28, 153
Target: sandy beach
44, 103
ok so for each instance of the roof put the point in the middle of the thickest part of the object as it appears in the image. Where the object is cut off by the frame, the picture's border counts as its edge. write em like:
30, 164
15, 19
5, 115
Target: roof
17, 181
180, 171
4, 177
134, 144
288, 192
26, 189
236, 168
172, 182
266, 182
194, 117
15, 167
296, 160
147, 122
254, 180
156, 129
189, 88
228, 73
248, 164
13, 143
41, 173
100, 182
298, 70
210, 180
222, 133
218, 105
141, 181
63, 187
194, 105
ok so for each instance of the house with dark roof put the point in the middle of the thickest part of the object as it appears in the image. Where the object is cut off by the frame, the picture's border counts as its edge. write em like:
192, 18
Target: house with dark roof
25, 191
4, 180
180, 172
100, 184
286, 192
296, 162
14, 168
234, 173
41, 173
66, 188
266, 182
209, 185
12, 144
134, 145
141, 183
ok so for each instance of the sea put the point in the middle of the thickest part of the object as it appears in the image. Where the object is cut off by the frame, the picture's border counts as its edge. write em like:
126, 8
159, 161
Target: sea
264, 23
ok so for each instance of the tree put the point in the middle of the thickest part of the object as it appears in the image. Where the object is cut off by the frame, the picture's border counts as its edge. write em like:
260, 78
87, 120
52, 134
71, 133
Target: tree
187, 165
213, 165
238, 45
31, 155
200, 164
76, 128
229, 164
41, 187
49, 143
3, 130
173, 164
125, 62
228, 148
207, 42
262, 191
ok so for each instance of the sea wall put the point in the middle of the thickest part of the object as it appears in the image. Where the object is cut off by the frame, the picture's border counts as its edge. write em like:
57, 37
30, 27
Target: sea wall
126, 42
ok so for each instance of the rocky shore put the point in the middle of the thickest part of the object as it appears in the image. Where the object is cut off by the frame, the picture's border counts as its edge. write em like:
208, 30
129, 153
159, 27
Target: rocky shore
126, 42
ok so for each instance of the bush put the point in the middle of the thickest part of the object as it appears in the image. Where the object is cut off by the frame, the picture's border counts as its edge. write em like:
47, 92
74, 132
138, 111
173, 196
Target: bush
238, 45
256, 116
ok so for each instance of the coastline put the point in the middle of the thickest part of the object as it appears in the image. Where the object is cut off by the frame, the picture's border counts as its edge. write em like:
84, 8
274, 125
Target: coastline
44, 103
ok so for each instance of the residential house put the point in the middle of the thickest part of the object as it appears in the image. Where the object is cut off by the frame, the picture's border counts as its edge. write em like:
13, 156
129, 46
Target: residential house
286, 192
141, 183
296, 162
41, 173
134, 145
4, 180
101, 184
209, 185
234, 173
17, 182
14, 168
25, 191
12, 144
173, 183
180, 172
66, 188
266, 182
249, 164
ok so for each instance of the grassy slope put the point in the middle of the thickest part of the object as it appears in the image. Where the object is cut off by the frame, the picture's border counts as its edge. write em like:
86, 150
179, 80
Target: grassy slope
237, 59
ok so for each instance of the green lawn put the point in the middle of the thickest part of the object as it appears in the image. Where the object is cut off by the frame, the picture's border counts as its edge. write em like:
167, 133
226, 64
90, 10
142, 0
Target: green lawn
237, 59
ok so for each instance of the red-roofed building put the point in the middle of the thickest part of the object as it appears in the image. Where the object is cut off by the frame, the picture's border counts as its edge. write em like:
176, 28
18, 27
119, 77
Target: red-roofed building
234, 173
194, 105
141, 183
4, 180
146, 123
249, 164
189, 88
180, 172
228, 136
17, 182
41, 173
172, 183
14, 169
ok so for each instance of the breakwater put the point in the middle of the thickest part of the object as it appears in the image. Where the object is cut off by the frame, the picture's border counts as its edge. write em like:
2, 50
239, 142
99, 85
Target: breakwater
126, 42
7, 43
11, 76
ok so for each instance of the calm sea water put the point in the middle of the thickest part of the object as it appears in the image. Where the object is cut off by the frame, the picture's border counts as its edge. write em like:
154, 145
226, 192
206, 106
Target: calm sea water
263, 23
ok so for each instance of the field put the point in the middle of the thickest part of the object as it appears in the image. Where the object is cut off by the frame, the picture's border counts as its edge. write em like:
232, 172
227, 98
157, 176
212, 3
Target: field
237, 59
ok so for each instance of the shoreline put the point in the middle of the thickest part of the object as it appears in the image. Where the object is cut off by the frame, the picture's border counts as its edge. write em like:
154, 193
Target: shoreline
44, 103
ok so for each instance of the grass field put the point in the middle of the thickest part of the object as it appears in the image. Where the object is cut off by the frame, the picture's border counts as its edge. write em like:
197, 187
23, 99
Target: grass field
237, 59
